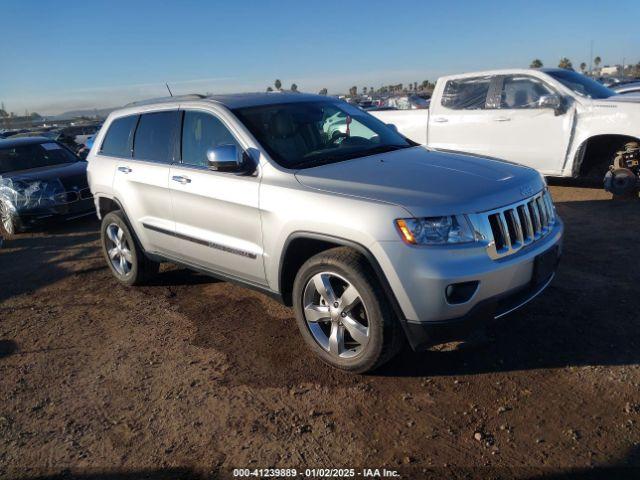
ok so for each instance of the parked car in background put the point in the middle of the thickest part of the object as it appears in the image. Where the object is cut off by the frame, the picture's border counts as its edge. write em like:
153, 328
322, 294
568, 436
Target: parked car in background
407, 102
627, 88
560, 122
40, 179
53, 134
84, 150
80, 133
371, 238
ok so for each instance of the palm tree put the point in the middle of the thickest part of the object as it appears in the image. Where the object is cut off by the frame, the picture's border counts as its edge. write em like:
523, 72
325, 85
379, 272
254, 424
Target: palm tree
278, 84
353, 91
565, 63
323, 91
364, 90
269, 89
597, 61
536, 63
583, 67
294, 87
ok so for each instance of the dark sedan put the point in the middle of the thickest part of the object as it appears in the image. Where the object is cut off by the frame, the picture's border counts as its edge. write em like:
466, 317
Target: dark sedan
40, 179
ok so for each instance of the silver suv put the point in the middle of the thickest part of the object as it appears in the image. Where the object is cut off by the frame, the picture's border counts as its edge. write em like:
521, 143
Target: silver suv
371, 238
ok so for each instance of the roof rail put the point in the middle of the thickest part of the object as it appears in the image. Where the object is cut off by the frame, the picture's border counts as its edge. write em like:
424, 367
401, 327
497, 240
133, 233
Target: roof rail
176, 98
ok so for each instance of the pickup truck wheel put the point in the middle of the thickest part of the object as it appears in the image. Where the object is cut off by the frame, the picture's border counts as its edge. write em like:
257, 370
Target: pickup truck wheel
123, 254
343, 313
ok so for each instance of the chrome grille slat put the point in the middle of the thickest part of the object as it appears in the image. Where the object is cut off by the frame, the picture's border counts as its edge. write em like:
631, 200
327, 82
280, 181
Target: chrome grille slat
528, 222
502, 221
537, 225
515, 226
543, 212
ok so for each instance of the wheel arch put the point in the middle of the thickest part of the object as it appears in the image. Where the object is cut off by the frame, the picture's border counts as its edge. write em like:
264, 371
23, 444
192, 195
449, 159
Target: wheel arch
589, 151
106, 204
301, 245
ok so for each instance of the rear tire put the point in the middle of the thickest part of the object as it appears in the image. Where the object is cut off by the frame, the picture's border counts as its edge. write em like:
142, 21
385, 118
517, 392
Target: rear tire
343, 313
123, 253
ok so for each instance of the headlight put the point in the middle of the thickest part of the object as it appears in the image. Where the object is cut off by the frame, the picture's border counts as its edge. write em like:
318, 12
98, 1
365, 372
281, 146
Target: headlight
435, 230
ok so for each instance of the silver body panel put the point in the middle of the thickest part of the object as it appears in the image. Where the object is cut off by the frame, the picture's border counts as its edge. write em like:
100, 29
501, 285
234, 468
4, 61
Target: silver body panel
240, 225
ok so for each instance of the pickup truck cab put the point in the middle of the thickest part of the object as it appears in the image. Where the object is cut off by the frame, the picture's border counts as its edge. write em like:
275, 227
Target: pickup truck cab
560, 122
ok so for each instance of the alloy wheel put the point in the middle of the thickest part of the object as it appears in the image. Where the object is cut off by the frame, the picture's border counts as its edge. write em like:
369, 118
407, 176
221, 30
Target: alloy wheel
336, 315
118, 249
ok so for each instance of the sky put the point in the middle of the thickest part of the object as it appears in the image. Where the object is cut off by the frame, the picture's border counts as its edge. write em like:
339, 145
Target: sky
58, 56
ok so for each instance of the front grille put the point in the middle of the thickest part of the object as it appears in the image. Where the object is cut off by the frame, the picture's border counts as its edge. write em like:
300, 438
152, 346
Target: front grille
520, 224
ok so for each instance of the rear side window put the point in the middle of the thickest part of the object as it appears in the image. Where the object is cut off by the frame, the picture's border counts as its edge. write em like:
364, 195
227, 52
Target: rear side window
119, 137
466, 93
156, 137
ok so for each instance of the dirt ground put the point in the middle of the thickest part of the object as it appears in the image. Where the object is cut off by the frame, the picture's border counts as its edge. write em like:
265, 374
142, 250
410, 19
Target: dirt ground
193, 377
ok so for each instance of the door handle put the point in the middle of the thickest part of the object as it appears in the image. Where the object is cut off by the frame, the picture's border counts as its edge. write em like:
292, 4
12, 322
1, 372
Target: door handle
124, 169
502, 119
181, 179
441, 120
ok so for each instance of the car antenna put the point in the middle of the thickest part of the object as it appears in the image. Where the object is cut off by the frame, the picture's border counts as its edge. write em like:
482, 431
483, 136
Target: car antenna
169, 89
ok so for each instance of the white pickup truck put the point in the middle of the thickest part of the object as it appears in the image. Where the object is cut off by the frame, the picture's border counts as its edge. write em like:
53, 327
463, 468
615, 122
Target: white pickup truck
557, 121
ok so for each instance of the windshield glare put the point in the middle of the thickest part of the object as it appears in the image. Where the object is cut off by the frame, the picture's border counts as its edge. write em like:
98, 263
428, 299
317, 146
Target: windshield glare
306, 134
581, 84
25, 157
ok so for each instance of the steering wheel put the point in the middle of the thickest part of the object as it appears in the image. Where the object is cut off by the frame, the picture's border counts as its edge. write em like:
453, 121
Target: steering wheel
337, 137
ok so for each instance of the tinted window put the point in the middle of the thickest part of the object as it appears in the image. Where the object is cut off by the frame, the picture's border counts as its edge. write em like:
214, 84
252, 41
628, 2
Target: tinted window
156, 137
200, 132
522, 92
118, 140
466, 93
24, 157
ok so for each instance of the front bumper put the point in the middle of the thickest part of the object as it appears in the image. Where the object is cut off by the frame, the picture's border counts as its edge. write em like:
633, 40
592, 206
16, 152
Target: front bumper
66, 211
419, 277
424, 335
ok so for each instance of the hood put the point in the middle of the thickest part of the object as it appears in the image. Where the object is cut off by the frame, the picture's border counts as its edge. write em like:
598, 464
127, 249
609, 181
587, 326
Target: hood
427, 182
70, 174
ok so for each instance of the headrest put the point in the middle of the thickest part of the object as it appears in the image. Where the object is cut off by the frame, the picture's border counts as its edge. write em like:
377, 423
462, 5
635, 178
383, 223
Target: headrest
282, 125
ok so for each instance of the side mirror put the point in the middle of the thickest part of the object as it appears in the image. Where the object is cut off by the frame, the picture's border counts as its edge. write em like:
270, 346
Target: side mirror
225, 158
552, 101
392, 127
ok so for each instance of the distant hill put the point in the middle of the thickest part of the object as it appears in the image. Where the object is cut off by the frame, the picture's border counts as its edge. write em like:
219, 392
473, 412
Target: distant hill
101, 112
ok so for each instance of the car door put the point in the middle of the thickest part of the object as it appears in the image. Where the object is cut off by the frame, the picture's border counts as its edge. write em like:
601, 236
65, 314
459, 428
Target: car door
217, 216
459, 120
141, 182
522, 131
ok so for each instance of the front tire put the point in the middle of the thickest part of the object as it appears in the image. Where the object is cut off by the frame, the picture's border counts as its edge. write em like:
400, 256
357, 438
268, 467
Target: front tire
123, 254
343, 313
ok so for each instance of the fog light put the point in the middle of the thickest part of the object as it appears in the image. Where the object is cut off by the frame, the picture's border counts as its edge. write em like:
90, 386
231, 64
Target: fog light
460, 292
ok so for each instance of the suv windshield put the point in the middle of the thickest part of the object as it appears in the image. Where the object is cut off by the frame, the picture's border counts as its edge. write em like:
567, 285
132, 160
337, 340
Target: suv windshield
36, 155
307, 134
581, 84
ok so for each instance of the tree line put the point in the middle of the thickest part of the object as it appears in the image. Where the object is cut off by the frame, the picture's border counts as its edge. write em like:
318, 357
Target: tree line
568, 65
424, 86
